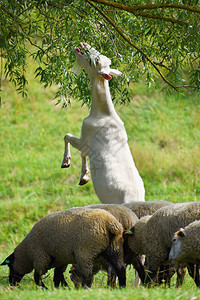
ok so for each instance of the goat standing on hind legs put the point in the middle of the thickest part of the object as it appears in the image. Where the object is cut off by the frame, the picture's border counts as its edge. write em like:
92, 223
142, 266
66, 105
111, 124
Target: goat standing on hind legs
103, 137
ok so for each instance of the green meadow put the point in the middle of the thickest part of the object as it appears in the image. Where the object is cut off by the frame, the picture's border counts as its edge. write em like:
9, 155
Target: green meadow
164, 137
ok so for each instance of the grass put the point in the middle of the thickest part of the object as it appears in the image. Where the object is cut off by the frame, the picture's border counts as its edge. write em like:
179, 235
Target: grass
164, 137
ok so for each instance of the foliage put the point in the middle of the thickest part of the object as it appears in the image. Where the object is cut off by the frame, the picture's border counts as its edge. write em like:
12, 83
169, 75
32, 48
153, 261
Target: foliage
141, 37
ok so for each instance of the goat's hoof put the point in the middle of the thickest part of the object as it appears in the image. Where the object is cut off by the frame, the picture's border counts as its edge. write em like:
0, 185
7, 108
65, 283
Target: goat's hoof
84, 180
66, 162
65, 165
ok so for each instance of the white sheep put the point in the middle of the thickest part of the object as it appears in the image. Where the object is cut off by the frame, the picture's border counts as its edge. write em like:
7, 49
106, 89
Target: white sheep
103, 138
74, 236
152, 236
186, 248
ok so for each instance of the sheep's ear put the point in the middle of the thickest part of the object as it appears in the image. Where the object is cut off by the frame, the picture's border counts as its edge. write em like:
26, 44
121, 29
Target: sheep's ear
128, 232
9, 260
115, 72
181, 233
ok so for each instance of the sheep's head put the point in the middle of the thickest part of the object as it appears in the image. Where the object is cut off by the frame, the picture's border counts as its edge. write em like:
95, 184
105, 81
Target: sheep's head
135, 235
14, 277
94, 63
177, 240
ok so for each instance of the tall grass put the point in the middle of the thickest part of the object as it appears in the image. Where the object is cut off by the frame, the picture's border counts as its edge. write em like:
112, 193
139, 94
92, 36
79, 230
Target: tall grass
164, 137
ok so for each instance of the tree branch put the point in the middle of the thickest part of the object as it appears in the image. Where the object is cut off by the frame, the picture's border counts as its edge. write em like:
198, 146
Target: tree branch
149, 16
160, 64
118, 29
147, 6
188, 86
137, 13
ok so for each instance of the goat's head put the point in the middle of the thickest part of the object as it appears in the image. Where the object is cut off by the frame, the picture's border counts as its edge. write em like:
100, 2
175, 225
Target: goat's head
94, 63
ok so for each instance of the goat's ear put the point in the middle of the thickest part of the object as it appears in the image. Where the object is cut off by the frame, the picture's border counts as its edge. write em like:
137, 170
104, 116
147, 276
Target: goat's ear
105, 75
115, 72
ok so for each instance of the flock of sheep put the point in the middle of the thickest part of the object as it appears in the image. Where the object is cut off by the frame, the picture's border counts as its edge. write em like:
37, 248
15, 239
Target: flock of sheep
158, 238
110, 237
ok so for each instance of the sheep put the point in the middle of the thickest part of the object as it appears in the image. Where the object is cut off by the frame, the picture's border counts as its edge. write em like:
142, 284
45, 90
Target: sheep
186, 244
185, 247
127, 218
165, 271
142, 209
123, 214
73, 236
146, 208
103, 138
152, 236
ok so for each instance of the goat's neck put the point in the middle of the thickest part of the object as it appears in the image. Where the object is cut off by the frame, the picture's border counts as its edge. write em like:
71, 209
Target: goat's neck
101, 99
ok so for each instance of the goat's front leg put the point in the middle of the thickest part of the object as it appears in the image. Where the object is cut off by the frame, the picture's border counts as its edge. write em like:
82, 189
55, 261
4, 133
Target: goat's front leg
84, 171
75, 142
67, 156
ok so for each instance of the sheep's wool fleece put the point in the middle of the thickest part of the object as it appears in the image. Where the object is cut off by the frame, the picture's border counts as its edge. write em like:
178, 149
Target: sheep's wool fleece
142, 209
191, 242
167, 220
64, 235
122, 213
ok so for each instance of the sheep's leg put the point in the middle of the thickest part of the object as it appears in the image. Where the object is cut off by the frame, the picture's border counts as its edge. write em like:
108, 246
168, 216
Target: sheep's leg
14, 277
164, 275
118, 265
139, 267
82, 275
38, 279
84, 171
197, 279
87, 280
59, 277
111, 277
121, 273
137, 277
85, 263
75, 276
76, 143
193, 271
180, 276
137, 280
154, 261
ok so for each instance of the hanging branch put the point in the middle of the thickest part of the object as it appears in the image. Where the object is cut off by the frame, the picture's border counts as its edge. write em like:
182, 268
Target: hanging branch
147, 6
118, 29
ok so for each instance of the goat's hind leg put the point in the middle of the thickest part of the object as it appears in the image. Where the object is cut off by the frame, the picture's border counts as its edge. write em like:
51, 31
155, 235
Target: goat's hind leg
84, 171
76, 143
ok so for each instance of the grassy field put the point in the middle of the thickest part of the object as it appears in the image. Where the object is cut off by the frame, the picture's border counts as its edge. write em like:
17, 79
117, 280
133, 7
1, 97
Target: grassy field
164, 137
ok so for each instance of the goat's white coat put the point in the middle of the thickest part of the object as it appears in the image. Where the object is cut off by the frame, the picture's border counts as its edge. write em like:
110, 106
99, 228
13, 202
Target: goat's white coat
104, 139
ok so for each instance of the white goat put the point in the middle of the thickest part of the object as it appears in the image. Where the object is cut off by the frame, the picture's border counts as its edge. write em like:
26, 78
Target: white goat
103, 138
